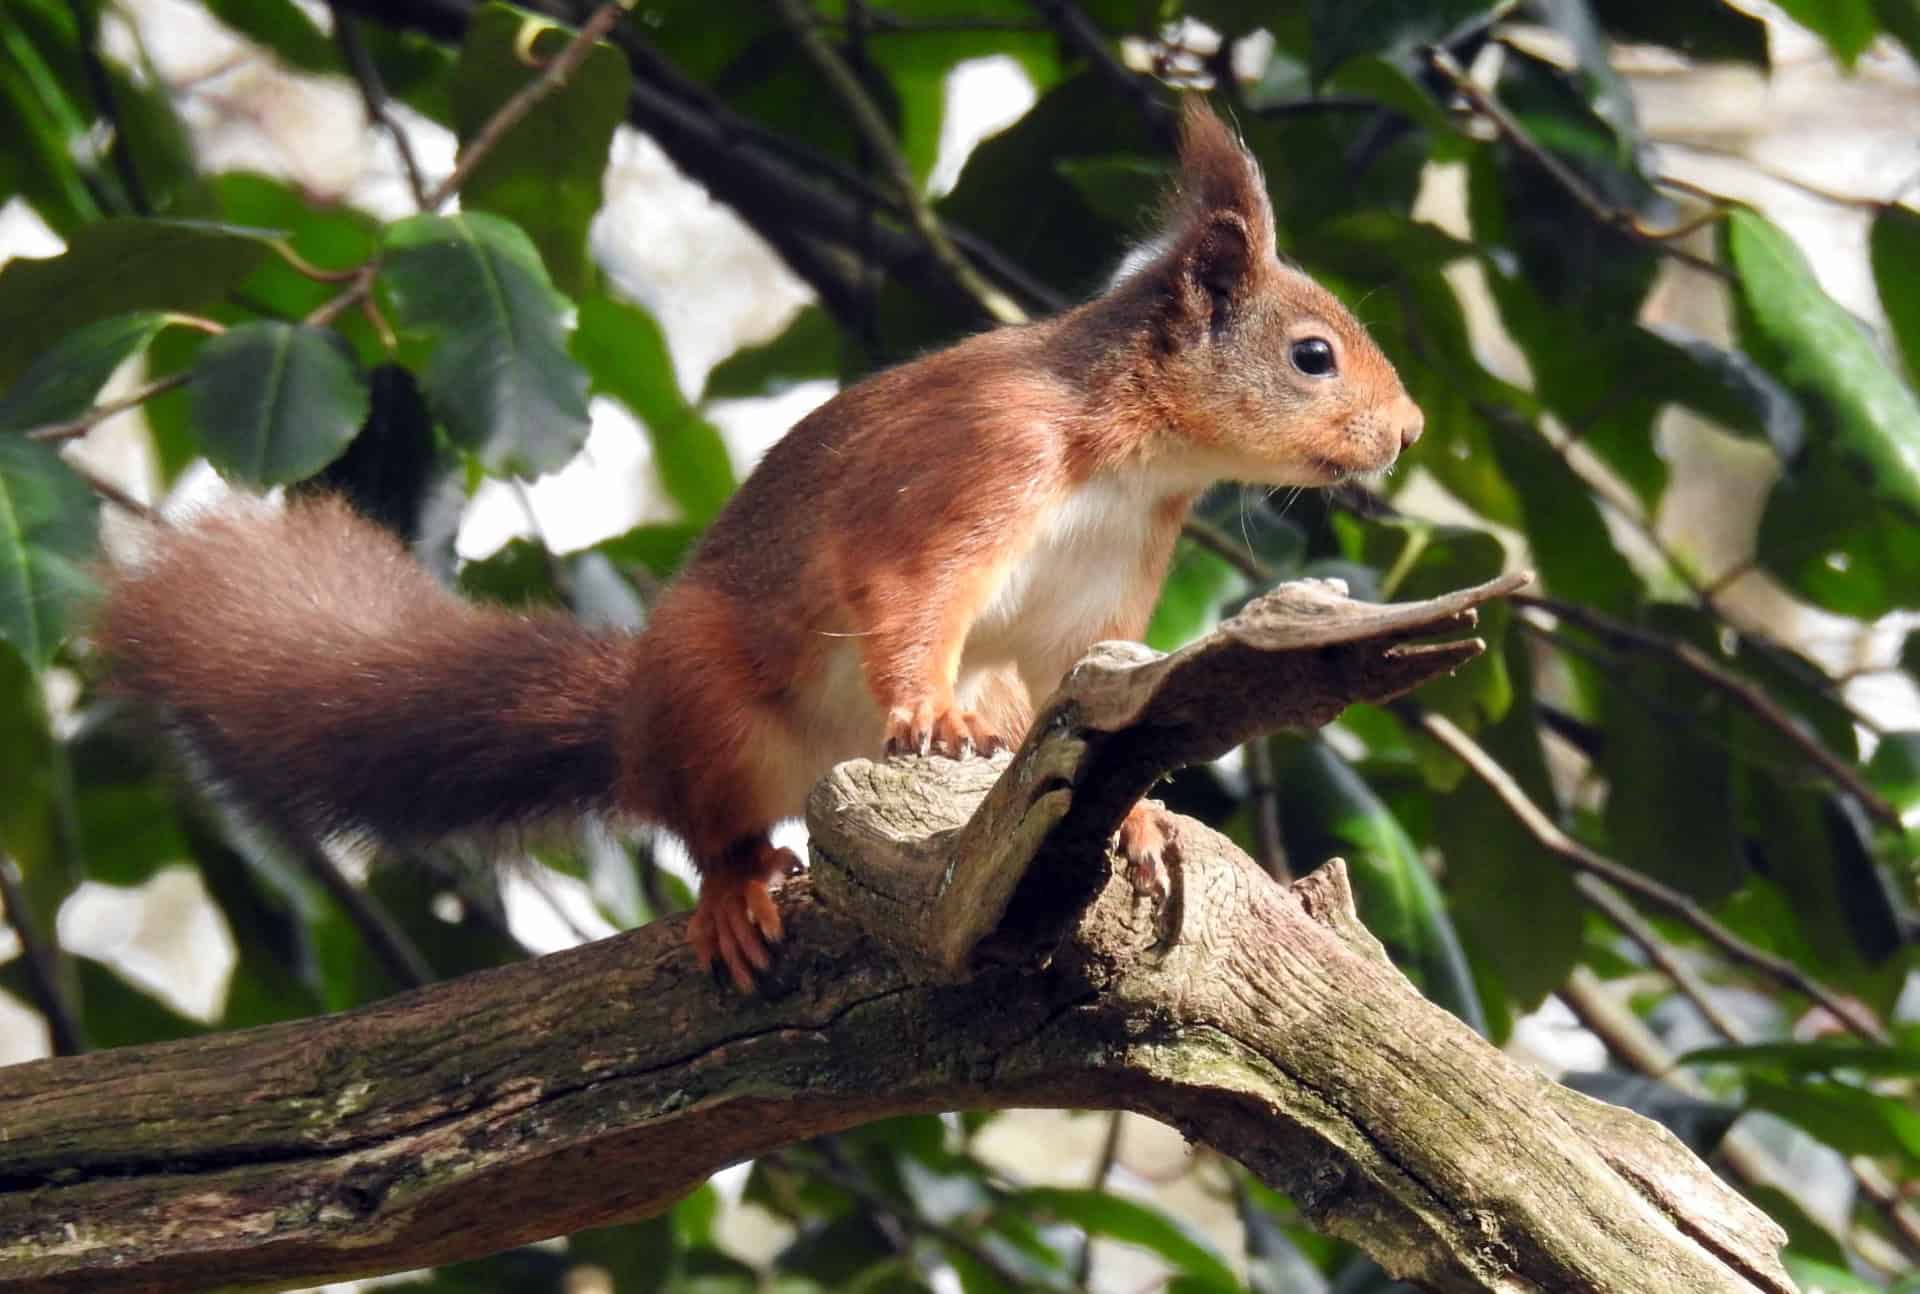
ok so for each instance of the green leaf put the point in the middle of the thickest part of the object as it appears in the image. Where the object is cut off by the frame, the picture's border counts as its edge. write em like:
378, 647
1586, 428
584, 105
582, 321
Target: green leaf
282, 27
1825, 530
1811, 1058
1820, 349
1101, 1214
1901, 20
1895, 248
329, 236
1851, 1119
625, 354
1326, 809
1343, 29
543, 174
276, 402
46, 537
808, 349
115, 267
1707, 33
497, 370
114, 1013
1848, 26
63, 382
1670, 783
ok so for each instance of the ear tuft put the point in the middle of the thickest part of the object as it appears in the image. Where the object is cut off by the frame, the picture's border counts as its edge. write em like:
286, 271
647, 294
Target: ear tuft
1217, 174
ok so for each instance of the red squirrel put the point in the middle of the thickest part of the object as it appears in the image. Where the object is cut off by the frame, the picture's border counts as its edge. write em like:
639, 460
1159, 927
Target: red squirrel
911, 568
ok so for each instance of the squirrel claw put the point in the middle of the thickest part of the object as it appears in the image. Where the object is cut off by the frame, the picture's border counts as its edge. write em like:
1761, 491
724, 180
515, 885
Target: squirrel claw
736, 919
954, 733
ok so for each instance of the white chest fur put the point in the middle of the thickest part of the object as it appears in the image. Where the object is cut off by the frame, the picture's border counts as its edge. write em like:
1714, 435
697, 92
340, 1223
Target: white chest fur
1086, 561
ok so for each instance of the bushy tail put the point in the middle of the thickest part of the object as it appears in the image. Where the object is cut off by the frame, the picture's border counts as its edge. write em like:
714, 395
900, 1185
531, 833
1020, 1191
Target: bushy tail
328, 681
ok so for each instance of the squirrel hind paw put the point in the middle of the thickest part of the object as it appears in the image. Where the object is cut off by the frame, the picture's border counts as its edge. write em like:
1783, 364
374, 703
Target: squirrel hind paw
736, 918
1145, 840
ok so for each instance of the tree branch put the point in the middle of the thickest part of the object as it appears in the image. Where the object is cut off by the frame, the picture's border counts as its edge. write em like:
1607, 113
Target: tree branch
600, 1083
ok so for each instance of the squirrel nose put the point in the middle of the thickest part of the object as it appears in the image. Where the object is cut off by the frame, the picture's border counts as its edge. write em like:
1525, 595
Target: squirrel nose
1411, 422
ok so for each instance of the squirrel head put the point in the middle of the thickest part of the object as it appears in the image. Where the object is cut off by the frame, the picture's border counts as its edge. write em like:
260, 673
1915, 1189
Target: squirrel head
1259, 366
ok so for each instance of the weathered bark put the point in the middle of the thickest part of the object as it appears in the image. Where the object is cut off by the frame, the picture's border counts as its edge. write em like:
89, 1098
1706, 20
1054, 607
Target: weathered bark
932, 963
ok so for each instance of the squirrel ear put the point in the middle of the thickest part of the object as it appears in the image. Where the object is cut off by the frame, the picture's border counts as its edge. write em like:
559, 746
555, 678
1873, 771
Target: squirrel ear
1222, 226
1220, 265
1219, 177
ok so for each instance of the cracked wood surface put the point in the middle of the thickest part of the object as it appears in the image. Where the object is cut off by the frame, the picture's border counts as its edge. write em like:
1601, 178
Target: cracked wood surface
599, 1084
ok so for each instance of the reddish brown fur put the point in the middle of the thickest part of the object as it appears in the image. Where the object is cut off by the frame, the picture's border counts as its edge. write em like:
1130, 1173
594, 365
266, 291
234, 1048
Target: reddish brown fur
909, 566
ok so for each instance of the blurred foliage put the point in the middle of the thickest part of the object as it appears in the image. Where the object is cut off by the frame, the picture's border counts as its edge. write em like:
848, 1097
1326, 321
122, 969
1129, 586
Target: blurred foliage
404, 362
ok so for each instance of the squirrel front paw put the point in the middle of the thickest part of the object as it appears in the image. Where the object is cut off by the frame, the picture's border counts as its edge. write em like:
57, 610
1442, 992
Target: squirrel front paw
925, 729
736, 917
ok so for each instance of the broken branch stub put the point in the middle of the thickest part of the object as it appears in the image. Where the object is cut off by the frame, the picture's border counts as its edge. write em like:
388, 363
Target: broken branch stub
1125, 716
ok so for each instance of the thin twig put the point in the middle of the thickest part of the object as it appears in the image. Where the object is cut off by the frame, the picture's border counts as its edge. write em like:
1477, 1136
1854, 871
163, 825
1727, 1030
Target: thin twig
1448, 68
74, 428
524, 100
112, 493
872, 129
1744, 693
1608, 902
100, 87
43, 964
1677, 905
373, 94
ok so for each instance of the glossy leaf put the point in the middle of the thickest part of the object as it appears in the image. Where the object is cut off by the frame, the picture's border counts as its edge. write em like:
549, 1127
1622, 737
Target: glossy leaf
1819, 532
1101, 1214
1811, 1058
544, 173
62, 383
1895, 246
283, 27
625, 354
116, 267
1851, 1119
1343, 30
276, 402
46, 539
1707, 33
497, 369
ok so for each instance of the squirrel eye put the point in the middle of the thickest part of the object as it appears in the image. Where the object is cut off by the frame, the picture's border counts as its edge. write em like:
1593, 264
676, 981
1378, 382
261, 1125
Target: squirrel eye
1313, 356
